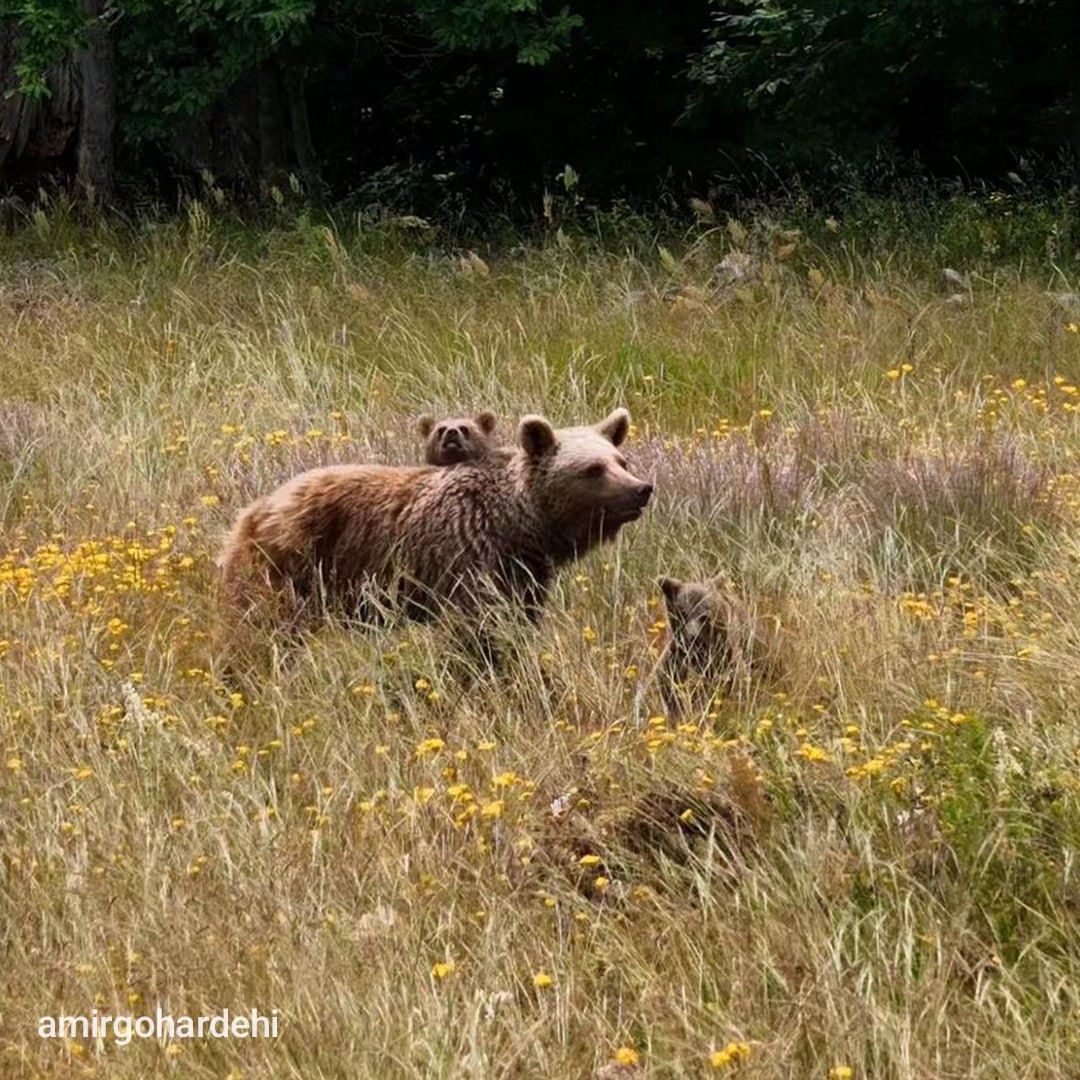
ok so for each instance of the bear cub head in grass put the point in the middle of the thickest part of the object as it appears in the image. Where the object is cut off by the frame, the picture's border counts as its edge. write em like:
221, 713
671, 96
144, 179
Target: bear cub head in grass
715, 635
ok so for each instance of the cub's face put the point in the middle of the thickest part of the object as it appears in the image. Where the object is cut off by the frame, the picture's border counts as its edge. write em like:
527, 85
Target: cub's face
715, 632
581, 481
698, 614
462, 438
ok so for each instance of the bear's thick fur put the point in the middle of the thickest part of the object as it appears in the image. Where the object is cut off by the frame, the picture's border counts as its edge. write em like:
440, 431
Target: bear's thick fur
456, 439
429, 537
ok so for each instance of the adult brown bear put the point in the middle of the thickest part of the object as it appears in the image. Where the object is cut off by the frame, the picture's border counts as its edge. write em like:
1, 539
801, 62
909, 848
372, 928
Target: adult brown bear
490, 530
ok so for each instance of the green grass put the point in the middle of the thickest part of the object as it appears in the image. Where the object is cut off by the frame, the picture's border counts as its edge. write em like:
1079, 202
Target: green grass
877, 869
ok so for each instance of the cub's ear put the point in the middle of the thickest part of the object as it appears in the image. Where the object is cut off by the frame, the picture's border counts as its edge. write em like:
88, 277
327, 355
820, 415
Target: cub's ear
485, 421
615, 427
536, 436
670, 587
424, 425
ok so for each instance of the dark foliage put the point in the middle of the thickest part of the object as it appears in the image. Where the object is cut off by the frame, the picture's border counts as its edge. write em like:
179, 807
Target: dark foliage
429, 104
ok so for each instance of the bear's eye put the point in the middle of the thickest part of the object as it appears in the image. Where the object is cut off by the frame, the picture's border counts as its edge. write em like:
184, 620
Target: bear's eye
594, 472
621, 462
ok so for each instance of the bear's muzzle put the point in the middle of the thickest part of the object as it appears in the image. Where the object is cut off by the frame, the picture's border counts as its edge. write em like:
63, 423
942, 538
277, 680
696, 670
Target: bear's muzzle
629, 508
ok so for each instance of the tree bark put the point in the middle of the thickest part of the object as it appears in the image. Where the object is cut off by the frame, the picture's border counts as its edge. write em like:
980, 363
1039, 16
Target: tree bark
10, 106
1074, 193
271, 124
97, 121
303, 146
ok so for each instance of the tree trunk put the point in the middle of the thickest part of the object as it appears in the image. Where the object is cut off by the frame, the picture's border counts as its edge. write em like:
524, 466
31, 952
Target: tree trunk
271, 124
97, 121
9, 100
1074, 193
303, 146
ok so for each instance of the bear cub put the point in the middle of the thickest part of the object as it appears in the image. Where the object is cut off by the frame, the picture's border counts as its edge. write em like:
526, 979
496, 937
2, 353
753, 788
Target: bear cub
714, 635
457, 439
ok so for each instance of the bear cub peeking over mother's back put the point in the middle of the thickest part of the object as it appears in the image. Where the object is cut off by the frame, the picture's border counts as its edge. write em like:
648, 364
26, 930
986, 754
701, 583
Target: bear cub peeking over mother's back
483, 530
457, 439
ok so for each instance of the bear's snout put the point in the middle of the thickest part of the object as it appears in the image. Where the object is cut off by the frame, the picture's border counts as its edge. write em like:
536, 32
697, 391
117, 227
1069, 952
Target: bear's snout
632, 501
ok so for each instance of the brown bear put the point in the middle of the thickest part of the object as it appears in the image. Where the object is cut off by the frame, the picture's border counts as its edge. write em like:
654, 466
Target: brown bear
457, 439
427, 537
715, 634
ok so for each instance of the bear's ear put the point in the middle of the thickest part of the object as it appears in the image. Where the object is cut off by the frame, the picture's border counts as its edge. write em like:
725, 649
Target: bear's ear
485, 421
424, 424
615, 427
670, 587
536, 436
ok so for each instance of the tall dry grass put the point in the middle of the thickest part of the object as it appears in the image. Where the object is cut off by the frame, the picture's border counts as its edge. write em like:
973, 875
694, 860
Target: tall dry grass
872, 869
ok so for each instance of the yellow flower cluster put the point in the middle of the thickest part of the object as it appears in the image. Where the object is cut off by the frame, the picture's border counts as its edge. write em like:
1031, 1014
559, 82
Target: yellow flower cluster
93, 569
732, 1054
1060, 394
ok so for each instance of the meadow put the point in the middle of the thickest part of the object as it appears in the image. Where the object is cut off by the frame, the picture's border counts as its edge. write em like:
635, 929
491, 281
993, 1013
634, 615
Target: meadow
866, 870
